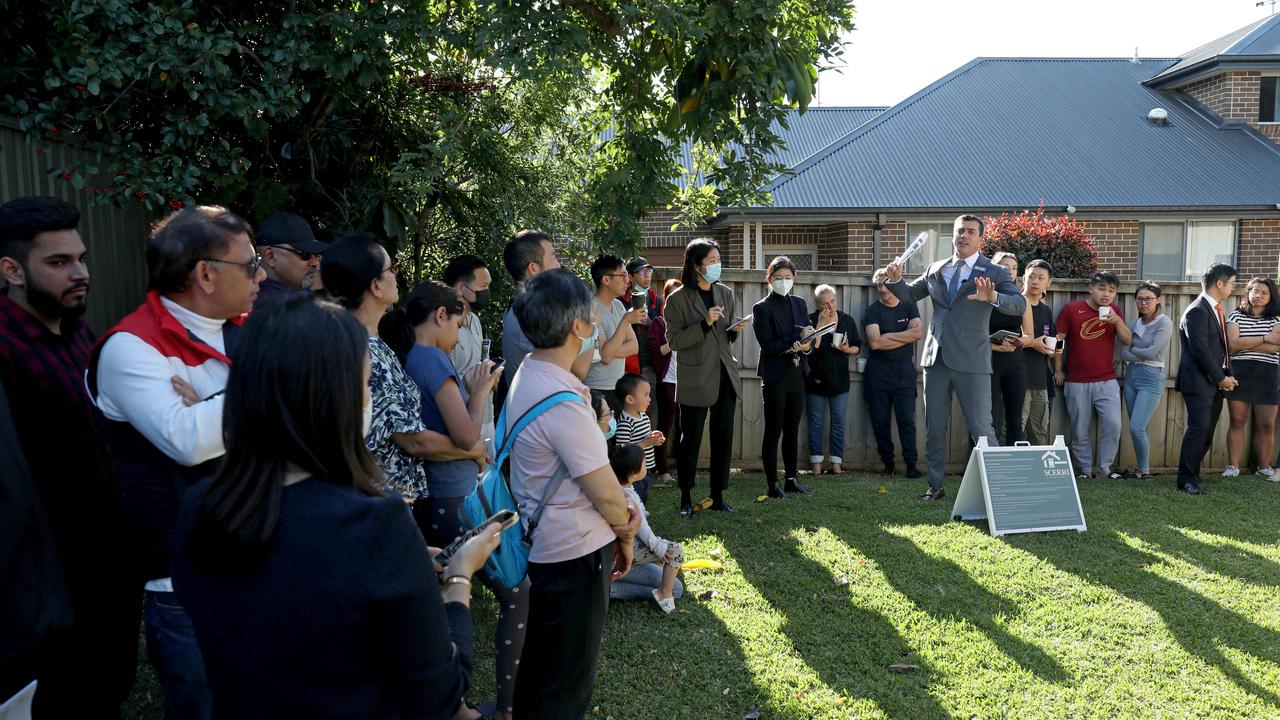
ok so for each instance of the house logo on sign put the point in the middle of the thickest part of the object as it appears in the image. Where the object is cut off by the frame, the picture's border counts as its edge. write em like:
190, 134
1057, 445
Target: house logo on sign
1051, 460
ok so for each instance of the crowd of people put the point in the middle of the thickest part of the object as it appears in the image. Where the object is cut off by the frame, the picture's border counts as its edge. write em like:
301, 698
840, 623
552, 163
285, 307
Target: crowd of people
262, 462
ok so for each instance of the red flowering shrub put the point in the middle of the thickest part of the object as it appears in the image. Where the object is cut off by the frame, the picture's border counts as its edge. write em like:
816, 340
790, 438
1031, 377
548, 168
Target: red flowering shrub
1060, 241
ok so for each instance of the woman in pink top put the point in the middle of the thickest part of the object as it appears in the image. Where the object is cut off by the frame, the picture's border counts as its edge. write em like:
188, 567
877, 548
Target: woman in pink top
584, 534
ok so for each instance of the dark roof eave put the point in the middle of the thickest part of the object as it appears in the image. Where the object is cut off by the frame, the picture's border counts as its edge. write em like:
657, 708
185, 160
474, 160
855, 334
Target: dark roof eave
725, 216
1206, 66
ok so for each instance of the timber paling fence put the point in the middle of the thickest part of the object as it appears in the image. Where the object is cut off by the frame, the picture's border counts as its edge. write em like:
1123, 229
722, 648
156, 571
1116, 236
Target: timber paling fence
855, 292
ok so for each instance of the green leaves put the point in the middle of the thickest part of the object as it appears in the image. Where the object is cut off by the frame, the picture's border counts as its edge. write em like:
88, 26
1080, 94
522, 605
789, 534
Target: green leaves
436, 123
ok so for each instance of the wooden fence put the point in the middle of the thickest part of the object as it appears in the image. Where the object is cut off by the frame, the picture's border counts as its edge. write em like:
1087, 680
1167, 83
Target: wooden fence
855, 293
115, 237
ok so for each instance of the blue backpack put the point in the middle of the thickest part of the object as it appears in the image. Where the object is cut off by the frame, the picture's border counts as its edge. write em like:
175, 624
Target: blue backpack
509, 562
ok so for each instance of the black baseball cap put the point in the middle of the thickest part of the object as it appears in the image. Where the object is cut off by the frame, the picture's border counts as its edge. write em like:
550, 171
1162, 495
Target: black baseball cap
637, 264
289, 229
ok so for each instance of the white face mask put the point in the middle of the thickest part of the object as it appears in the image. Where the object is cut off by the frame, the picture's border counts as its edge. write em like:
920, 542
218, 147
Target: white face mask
367, 420
782, 286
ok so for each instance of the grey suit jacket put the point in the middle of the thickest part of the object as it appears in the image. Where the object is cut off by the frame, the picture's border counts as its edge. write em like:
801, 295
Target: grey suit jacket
960, 332
701, 353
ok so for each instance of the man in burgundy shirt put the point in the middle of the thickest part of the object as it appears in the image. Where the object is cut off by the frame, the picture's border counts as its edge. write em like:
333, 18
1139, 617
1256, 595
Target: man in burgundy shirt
1090, 328
85, 669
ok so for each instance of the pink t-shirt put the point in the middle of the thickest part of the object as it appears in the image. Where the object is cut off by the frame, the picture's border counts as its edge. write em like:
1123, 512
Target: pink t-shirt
564, 440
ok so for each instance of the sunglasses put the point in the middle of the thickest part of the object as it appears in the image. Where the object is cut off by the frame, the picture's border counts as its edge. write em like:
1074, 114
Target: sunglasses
306, 256
250, 268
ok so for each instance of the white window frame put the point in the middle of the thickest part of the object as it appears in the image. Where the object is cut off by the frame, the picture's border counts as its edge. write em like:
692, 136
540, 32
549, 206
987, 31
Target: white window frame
791, 251
1186, 236
949, 221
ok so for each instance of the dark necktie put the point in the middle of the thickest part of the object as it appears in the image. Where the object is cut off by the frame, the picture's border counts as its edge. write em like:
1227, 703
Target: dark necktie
1222, 326
953, 287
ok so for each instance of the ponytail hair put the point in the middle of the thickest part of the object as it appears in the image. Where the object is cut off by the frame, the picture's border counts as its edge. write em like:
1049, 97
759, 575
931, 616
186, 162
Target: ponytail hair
397, 327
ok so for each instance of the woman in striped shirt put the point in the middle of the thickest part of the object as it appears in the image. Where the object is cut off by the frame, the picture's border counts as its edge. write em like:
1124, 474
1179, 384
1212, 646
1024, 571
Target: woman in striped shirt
1254, 341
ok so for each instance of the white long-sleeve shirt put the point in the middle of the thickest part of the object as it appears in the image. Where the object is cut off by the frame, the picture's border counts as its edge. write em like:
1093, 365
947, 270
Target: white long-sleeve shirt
134, 386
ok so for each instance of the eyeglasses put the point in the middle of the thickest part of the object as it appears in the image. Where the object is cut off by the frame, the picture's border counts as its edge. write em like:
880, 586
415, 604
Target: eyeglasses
1144, 299
250, 268
393, 268
306, 256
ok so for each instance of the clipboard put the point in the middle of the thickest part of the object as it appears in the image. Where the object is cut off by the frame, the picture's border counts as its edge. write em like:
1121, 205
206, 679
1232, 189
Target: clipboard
1002, 335
824, 330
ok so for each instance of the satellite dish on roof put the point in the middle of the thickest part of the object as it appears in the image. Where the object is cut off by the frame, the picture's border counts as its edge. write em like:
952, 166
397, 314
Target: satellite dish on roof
1158, 116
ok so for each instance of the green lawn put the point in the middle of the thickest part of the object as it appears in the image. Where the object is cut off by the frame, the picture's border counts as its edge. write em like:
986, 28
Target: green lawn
1168, 607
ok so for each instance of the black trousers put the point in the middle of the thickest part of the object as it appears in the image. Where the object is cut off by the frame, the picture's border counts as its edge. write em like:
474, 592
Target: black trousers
568, 605
890, 388
1008, 392
1202, 417
783, 403
692, 420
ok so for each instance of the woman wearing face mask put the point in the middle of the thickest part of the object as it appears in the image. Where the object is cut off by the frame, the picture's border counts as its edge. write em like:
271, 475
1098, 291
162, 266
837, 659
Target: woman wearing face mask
779, 320
701, 329
422, 332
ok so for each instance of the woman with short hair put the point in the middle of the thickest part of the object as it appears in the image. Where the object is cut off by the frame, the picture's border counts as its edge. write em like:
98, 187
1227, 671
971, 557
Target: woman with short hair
311, 591
827, 385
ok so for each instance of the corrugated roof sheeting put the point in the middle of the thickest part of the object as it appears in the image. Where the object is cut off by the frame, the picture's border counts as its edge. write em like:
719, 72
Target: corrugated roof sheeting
807, 134
1258, 38
116, 238
1008, 132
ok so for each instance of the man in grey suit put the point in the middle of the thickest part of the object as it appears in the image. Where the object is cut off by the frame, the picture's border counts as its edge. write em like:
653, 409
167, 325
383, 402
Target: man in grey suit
957, 352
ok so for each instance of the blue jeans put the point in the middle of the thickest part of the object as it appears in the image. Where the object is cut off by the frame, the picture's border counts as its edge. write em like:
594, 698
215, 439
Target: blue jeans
817, 408
172, 649
1143, 386
640, 582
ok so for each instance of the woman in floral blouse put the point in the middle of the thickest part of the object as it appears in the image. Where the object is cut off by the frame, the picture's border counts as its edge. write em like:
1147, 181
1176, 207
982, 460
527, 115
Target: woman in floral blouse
359, 273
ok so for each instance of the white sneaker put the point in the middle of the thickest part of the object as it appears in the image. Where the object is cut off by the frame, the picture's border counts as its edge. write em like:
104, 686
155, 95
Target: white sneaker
1267, 472
667, 605
1231, 471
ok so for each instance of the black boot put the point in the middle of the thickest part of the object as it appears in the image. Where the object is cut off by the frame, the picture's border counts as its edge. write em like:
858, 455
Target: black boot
913, 472
795, 488
775, 491
686, 504
721, 505
889, 470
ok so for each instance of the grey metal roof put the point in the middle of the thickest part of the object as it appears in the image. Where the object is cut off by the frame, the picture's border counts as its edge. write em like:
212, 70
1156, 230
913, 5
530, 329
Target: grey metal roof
1009, 132
1261, 38
805, 135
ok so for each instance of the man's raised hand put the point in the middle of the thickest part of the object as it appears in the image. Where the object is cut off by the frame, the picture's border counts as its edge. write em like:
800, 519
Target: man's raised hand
986, 291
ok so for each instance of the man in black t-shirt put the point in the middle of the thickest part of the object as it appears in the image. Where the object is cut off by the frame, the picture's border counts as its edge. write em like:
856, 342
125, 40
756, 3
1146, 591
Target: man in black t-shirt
892, 328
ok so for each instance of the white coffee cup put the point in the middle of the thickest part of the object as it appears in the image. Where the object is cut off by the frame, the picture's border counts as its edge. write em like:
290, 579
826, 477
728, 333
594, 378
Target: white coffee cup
1103, 312
837, 339
862, 364
1051, 342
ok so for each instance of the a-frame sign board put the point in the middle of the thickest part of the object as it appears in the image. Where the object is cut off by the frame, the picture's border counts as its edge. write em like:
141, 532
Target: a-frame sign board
1024, 488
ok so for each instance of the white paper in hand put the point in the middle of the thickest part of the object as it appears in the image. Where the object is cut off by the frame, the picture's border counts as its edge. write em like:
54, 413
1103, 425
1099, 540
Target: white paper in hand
912, 249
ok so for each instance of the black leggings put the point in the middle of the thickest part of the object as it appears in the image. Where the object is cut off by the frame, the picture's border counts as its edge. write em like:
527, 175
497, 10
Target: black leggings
783, 402
692, 420
1008, 391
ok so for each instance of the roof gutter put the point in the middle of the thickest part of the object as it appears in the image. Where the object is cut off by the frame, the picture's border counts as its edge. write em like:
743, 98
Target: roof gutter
1206, 67
817, 216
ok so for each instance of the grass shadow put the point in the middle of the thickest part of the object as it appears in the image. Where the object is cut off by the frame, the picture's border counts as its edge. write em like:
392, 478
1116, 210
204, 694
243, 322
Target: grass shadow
805, 593
1198, 624
918, 575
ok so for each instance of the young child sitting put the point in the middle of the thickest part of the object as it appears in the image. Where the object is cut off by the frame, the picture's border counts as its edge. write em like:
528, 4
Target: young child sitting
653, 573
633, 393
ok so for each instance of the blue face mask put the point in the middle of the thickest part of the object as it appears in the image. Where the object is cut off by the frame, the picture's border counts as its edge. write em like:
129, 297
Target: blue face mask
589, 342
711, 272
613, 428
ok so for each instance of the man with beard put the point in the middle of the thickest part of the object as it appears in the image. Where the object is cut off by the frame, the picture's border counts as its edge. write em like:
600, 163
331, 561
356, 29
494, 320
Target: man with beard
86, 668
290, 255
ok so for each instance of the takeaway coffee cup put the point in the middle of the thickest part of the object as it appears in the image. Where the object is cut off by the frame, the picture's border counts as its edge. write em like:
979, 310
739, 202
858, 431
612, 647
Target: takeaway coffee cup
862, 364
837, 339
1051, 342
1103, 312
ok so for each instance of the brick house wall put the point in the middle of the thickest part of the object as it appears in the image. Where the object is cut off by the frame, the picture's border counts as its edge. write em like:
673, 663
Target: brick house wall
1258, 249
850, 246
1233, 96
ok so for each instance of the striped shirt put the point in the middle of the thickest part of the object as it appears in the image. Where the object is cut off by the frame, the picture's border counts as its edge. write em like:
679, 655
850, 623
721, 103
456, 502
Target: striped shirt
632, 430
1253, 327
